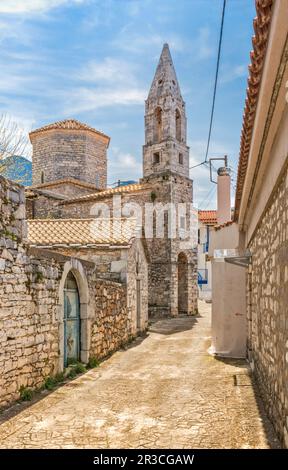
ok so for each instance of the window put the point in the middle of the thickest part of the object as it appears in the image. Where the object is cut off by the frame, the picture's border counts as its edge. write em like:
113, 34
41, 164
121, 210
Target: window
183, 222
156, 158
180, 158
97, 181
42, 177
178, 125
157, 125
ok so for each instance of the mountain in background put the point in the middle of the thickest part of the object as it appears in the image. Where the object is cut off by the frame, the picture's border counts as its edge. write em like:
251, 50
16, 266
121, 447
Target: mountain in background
17, 169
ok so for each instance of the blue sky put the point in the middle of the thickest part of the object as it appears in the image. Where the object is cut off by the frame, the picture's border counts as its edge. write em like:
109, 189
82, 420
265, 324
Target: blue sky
94, 60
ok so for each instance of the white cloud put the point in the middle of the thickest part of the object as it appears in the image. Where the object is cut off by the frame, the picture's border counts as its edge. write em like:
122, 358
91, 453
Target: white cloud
111, 82
203, 47
32, 6
228, 74
133, 42
123, 166
109, 70
88, 99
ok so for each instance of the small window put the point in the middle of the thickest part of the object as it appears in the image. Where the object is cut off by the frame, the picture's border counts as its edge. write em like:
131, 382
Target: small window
183, 222
173, 81
159, 82
97, 181
42, 177
156, 158
181, 158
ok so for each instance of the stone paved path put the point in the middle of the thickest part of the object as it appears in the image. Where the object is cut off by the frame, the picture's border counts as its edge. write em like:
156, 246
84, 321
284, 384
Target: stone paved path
163, 392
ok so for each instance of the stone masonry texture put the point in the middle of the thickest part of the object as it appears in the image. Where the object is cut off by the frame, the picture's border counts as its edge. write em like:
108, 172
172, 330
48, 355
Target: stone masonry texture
267, 308
164, 391
165, 182
66, 153
30, 316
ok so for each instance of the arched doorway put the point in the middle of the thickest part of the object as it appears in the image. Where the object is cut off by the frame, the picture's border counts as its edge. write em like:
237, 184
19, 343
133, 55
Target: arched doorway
72, 323
182, 284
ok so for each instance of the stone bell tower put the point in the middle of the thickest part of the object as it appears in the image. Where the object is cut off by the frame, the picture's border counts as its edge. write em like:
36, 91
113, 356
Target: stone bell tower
165, 122
173, 265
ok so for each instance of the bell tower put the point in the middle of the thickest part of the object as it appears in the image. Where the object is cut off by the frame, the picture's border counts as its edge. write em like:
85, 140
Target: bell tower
165, 123
172, 271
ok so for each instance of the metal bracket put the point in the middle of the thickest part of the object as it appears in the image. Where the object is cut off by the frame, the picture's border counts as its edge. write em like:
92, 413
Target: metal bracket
242, 261
225, 159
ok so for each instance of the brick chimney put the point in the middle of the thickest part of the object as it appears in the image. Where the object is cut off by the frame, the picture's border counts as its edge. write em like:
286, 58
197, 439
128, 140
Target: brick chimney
223, 195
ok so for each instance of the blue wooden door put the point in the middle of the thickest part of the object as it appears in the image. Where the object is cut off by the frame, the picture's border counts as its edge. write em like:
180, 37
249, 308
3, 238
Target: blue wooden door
71, 321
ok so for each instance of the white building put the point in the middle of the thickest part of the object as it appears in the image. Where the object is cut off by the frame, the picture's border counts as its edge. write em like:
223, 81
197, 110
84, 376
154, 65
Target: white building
206, 221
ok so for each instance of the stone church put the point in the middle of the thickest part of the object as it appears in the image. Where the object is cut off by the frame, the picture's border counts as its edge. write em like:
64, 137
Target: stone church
70, 178
76, 284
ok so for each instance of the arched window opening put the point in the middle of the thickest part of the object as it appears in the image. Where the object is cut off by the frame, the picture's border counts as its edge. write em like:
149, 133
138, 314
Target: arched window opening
42, 177
157, 125
71, 320
178, 125
156, 158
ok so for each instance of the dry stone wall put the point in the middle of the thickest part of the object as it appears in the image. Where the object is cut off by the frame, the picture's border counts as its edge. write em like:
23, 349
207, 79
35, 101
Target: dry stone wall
30, 316
111, 327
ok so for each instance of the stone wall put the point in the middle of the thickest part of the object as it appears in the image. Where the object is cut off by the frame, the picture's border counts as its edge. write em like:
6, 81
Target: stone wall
267, 308
111, 327
43, 206
124, 266
31, 304
28, 302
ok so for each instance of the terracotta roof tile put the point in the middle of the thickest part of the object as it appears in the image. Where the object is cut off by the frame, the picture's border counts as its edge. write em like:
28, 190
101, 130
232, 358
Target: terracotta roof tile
259, 41
69, 124
72, 181
226, 224
129, 188
81, 232
208, 217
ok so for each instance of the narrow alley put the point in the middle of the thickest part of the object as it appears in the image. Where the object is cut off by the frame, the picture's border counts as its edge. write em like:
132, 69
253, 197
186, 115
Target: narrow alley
165, 391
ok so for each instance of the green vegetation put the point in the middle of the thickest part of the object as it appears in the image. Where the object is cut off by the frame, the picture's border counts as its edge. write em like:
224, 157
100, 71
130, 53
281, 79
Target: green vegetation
52, 382
93, 362
39, 277
79, 368
26, 394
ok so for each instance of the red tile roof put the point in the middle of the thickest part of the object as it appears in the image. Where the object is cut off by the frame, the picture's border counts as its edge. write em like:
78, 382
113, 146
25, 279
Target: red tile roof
69, 124
260, 40
226, 224
128, 188
208, 217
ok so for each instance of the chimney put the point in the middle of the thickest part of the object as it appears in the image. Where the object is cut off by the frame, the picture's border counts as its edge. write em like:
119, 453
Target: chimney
223, 195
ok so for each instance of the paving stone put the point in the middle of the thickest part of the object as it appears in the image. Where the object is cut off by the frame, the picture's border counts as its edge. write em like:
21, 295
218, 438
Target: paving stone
165, 391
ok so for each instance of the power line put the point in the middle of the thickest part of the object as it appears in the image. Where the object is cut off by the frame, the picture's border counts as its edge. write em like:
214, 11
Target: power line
215, 84
206, 197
